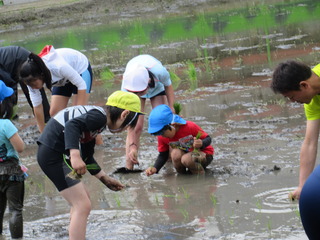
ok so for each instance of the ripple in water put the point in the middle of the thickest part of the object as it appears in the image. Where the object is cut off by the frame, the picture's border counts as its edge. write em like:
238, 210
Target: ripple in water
275, 201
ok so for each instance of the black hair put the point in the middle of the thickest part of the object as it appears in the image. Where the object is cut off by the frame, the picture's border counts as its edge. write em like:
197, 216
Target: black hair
160, 132
152, 83
6, 107
35, 68
288, 75
115, 114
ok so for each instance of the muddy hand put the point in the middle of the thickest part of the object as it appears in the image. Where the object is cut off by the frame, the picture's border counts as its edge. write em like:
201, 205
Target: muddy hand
151, 171
295, 195
111, 183
197, 143
133, 156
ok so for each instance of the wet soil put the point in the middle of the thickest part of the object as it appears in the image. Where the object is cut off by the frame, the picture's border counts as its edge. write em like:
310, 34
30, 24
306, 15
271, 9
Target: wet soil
46, 13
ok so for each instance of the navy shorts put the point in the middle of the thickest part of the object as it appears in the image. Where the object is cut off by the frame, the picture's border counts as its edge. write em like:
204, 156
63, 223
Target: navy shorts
69, 89
53, 164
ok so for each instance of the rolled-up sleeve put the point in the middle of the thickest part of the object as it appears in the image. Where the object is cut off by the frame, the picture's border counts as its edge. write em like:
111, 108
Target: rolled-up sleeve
35, 96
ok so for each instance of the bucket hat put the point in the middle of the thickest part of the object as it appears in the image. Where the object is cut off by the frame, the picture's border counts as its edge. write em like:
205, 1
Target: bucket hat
161, 116
135, 78
5, 91
125, 100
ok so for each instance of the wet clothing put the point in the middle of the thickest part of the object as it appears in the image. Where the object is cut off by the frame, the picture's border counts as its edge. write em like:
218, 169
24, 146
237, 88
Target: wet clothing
72, 128
11, 180
66, 66
309, 205
312, 110
184, 136
12, 193
11, 59
160, 73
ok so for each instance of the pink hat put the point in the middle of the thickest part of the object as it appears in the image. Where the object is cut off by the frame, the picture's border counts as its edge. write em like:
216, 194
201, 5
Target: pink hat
135, 78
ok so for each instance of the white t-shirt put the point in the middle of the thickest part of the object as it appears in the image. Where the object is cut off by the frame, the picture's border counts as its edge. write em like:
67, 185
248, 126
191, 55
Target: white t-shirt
65, 65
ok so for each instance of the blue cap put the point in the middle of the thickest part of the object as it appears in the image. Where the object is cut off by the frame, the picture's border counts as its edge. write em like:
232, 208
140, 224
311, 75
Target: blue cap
4, 91
161, 116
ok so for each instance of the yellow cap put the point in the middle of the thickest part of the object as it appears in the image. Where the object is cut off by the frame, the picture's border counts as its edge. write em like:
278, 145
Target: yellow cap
125, 100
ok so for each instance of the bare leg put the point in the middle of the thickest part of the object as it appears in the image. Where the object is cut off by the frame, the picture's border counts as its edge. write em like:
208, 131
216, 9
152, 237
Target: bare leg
194, 167
176, 156
78, 198
58, 103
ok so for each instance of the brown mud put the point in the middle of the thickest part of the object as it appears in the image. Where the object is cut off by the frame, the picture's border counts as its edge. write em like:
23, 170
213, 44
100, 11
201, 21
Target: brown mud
47, 13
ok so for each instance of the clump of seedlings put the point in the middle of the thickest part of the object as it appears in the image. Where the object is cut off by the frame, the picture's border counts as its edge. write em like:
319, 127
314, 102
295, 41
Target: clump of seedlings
177, 108
196, 156
74, 175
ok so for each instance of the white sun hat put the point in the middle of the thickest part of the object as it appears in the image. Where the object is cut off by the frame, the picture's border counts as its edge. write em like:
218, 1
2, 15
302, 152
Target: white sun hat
135, 78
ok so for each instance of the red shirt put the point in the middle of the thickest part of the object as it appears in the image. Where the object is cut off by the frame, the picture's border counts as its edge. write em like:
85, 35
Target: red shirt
190, 128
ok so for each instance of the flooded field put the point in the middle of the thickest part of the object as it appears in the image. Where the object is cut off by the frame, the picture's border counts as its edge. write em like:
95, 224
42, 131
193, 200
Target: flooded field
220, 59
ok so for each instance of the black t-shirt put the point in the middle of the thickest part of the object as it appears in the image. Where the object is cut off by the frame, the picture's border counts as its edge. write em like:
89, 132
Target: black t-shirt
74, 128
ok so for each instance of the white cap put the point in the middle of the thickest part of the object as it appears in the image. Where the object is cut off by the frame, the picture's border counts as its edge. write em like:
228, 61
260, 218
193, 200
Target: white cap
135, 78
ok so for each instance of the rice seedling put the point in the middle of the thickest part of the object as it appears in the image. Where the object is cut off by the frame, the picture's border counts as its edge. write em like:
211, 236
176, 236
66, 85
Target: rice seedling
269, 226
169, 196
117, 199
213, 200
186, 195
177, 108
106, 76
258, 204
175, 80
185, 213
157, 199
192, 74
74, 175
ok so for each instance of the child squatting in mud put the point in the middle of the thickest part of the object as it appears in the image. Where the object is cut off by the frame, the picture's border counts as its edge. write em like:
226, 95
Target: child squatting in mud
186, 143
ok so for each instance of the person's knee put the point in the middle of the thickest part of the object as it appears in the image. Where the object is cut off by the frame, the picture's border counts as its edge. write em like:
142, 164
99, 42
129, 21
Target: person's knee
86, 208
175, 156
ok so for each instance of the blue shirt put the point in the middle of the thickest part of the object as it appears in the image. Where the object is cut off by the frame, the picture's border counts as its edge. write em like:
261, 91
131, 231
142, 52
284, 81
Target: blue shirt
162, 76
7, 130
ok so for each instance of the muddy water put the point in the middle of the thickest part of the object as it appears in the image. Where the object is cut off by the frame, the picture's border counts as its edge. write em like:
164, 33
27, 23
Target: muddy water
256, 134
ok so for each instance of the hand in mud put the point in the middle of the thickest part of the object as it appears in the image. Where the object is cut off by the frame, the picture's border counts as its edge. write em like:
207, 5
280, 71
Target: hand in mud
197, 143
133, 156
295, 195
111, 183
150, 171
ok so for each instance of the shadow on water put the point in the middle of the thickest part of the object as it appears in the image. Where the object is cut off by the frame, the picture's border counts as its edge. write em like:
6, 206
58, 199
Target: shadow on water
256, 134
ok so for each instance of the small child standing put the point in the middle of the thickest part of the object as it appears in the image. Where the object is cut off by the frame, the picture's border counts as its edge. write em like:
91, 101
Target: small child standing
184, 141
11, 174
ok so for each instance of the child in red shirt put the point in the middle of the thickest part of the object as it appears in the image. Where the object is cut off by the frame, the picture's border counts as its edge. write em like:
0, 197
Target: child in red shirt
186, 143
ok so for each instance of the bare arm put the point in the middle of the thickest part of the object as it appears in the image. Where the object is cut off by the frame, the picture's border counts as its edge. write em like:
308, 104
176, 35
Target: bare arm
170, 96
133, 140
77, 163
308, 154
17, 142
38, 112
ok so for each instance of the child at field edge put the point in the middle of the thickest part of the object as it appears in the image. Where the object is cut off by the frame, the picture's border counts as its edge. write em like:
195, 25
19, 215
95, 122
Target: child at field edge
179, 139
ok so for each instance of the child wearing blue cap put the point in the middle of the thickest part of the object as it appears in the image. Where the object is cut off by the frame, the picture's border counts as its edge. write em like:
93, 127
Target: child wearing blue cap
12, 173
180, 140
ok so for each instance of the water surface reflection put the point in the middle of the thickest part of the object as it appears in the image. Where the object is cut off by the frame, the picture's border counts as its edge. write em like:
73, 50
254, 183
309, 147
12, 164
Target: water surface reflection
256, 134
